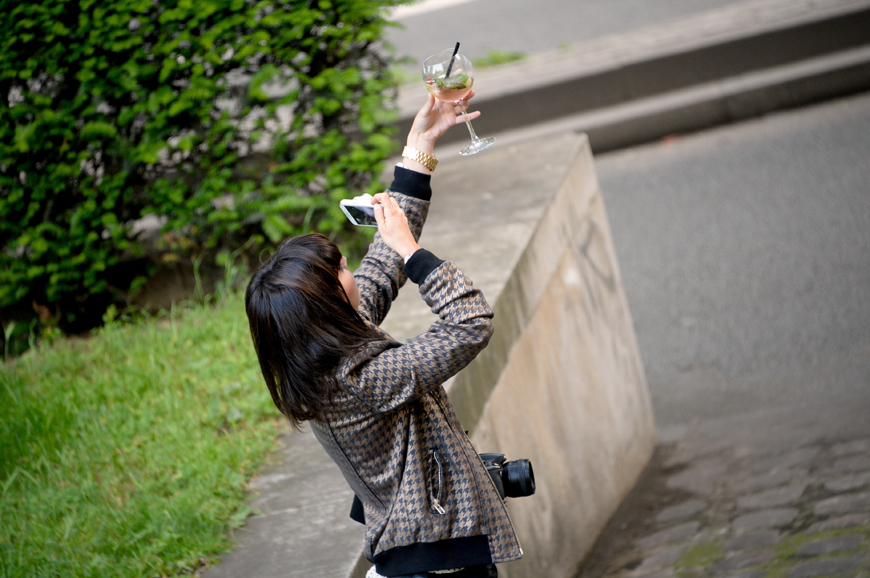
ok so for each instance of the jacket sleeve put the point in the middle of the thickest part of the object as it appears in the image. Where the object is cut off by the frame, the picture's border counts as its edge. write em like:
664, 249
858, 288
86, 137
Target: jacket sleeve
380, 274
405, 372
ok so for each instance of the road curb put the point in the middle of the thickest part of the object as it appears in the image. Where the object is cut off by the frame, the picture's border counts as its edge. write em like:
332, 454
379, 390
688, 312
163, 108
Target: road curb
711, 104
720, 66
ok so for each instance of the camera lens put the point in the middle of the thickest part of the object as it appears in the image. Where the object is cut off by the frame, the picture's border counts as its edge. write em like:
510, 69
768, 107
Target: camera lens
518, 478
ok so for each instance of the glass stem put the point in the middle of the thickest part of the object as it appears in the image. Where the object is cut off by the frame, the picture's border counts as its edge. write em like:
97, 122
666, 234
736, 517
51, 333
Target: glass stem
470, 129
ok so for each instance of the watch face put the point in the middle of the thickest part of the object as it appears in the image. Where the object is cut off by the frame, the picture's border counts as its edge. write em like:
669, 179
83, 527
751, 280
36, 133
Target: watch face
362, 215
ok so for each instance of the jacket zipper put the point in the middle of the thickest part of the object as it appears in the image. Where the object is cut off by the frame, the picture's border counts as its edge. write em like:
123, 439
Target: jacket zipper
435, 497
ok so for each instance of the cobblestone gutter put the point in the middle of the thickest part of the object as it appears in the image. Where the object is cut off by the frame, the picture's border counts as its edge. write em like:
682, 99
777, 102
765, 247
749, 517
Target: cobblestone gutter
738, 513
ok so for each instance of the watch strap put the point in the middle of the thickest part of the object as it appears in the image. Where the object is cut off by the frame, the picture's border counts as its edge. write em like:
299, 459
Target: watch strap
428, 161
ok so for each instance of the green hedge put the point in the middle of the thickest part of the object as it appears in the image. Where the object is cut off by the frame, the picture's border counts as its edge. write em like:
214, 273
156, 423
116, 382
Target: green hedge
235, 122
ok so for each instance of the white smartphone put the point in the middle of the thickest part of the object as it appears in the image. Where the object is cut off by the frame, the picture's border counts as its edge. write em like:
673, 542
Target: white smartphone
360, 210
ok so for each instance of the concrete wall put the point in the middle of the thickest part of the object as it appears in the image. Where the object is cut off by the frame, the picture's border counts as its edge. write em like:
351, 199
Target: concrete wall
571, 393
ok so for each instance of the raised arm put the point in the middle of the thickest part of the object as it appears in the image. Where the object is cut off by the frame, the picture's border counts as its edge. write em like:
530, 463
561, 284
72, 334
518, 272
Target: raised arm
381, 274
396, 376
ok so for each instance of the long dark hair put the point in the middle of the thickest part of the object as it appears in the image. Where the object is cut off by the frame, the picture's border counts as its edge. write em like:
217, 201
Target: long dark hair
302, 324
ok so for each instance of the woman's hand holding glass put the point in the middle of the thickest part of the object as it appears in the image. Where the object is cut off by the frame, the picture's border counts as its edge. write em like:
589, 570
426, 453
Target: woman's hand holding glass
449, 76
430, 124
433, 120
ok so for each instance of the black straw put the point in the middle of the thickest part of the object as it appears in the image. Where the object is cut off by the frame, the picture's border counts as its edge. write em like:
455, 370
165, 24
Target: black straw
449, 66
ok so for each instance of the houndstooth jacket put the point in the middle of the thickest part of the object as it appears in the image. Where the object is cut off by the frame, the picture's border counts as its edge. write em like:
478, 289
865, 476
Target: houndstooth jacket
428, 500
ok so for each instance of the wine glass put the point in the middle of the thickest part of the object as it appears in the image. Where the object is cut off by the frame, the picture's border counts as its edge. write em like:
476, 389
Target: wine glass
449, 75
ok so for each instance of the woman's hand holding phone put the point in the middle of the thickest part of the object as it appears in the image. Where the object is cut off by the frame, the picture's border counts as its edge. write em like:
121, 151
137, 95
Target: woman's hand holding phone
393, 225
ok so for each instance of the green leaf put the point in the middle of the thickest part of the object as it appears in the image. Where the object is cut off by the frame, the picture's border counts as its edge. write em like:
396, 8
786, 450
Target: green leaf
23, 134
276, 227
97, 129
261, 77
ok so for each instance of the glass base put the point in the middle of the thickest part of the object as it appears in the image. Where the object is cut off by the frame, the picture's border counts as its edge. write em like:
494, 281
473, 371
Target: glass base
477, 146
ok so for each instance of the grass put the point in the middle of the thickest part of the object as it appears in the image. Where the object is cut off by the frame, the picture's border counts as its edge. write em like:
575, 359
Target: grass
127, 454
701, 555
497, 57
407, 71
785, 554
694, 561
403, 74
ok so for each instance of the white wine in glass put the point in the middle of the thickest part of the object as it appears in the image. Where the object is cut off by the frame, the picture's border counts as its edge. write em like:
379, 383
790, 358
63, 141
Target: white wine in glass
449, 76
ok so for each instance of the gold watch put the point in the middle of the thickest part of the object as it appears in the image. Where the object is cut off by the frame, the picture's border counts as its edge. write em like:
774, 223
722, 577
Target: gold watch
428, 161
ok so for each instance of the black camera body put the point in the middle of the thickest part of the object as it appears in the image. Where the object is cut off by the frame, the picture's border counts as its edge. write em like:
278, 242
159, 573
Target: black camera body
513, 479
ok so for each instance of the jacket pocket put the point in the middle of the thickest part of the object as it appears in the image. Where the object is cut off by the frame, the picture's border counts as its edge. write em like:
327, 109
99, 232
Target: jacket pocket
436, 481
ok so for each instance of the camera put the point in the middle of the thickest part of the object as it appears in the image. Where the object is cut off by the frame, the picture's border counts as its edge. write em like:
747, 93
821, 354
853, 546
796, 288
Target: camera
513, 479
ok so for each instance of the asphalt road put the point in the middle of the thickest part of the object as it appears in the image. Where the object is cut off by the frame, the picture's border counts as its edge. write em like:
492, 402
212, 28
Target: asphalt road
529, 27
745, 252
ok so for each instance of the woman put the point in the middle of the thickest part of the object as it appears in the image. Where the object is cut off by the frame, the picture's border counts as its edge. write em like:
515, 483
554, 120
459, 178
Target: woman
376, 405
